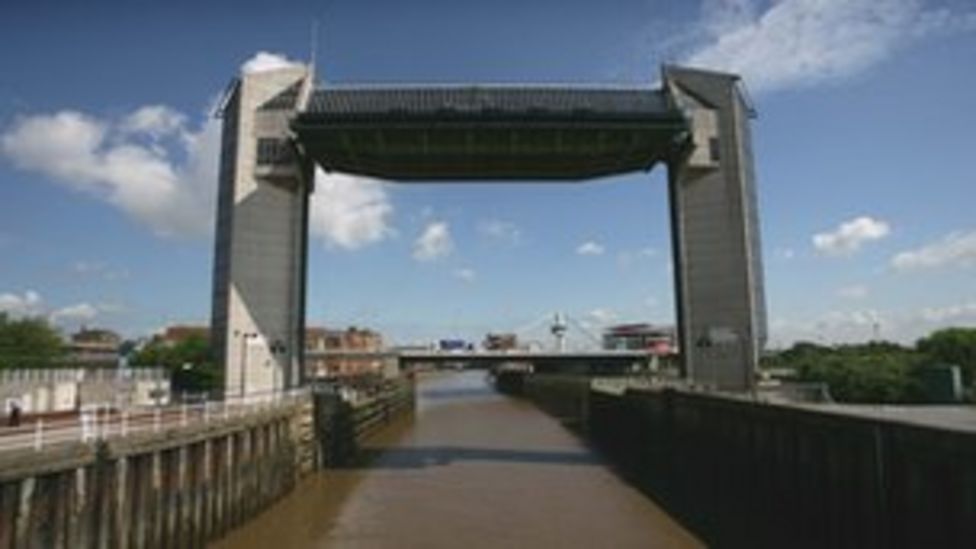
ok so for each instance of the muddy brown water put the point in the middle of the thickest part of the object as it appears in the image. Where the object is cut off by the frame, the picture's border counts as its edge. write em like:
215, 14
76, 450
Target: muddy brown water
470, 469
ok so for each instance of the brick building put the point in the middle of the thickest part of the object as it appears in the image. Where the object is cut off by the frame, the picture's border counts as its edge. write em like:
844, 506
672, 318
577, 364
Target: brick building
93, 347
500, 342
179, 333
351, 339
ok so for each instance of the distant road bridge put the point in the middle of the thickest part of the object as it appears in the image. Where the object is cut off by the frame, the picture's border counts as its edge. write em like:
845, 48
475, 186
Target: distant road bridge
576, 361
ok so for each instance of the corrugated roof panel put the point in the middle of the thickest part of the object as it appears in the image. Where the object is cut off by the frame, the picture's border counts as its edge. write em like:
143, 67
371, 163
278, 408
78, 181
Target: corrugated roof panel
512, 100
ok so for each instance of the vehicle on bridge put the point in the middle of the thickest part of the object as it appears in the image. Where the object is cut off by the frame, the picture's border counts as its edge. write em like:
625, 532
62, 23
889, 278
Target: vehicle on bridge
454, 345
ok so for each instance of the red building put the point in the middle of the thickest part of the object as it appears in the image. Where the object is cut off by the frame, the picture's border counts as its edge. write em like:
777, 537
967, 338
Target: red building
500, 342
660, 340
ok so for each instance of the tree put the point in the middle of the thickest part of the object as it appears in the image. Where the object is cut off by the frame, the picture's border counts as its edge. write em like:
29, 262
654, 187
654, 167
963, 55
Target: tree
190, 362
28, 343
875, 378
881, 372
956, 346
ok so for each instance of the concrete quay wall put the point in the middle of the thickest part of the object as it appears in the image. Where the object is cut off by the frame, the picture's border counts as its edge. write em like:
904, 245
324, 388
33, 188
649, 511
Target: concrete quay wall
342, 425
180, 488
747, 473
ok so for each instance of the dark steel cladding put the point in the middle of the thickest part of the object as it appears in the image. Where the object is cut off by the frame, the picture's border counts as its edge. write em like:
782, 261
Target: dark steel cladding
489, 133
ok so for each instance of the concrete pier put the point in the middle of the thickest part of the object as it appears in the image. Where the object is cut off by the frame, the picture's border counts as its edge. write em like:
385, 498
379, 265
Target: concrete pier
178, 488
750, 473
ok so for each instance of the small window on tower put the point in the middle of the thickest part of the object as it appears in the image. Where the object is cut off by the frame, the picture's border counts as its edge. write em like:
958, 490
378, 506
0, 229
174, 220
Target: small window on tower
714, 150
272, 151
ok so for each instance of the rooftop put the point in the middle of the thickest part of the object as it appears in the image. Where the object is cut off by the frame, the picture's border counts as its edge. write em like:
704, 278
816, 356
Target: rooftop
498, 100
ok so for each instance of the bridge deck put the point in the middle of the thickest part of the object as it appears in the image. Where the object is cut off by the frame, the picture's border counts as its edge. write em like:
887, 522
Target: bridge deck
489, 132
603, 361
472, 469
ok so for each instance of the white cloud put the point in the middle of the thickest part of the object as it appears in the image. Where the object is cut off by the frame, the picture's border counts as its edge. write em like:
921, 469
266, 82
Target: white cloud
111, 307
837, 326
590, 248
74, 313
954, 250
786, 253
865, 317
434, 242
859, 326
154, 120
790, 43
112, 160
850, 236
465, 274
504, 231
857, 291
349, 211
725, 16
266, 61
602, 316
161, 170
950, 313
28, 304
152, 163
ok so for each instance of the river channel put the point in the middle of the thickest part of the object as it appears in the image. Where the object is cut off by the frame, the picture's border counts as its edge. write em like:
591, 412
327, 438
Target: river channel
470, 469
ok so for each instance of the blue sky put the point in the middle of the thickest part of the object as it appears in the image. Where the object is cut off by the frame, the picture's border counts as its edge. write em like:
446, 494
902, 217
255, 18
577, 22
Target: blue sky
864, 149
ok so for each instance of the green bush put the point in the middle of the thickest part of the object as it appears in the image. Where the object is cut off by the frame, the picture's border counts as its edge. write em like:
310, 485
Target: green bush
28, 343
956, 346
877, 372
190, 363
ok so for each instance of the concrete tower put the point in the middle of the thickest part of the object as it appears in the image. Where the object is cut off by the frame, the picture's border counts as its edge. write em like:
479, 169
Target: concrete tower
262, 218
715, 233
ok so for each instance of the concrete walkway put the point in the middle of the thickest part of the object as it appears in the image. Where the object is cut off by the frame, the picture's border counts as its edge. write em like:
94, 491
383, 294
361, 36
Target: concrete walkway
472, 469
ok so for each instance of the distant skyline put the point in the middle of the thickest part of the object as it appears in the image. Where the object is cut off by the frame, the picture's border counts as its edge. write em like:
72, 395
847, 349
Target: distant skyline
863, 143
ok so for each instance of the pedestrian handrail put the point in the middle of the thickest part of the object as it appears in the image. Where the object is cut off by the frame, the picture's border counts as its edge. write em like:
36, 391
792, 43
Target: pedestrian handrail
54, 375
93, 424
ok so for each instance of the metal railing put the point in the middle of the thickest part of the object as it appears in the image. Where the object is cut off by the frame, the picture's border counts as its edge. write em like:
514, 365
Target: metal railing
97, 423
53, 375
